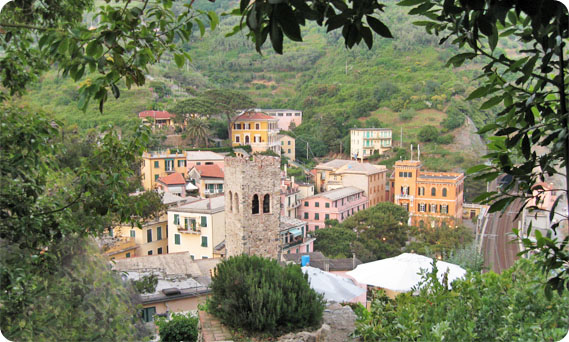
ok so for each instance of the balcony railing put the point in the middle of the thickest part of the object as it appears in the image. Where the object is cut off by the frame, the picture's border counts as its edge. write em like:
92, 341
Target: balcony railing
189, 230
294, 242
404, 196
295, 204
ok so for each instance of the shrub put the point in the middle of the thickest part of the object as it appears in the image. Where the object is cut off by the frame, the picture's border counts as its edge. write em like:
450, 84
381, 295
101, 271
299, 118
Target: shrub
428, 133
445, 139
258, 294
179, 328
407, 115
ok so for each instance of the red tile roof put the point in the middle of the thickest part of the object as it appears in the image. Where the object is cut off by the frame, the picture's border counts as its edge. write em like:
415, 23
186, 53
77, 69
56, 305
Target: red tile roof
211, 171
173, 179
254, 116
155, 114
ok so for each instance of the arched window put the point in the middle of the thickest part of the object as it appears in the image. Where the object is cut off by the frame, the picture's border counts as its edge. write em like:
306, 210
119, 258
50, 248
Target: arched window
444, 192
255, 204
230, 202
246, 139
236, 202
266, 203
421, 191
433, 192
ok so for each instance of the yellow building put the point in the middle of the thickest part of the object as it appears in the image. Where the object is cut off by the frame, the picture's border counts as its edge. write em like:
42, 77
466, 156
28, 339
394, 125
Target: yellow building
151, 239
287, 146
257, 130
161, 164
197, 227
432, 198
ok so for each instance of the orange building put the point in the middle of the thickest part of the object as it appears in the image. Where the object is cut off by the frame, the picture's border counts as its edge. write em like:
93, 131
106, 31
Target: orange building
432, 198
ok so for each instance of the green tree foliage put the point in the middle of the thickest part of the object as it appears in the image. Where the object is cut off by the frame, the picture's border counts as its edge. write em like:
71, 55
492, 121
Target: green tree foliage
438, 240
146, 284
193, 106
258, 294
127, 38
334, 242
198, 132
46, 209
528, 85
375, 233
428, 133
482, 307
179, 328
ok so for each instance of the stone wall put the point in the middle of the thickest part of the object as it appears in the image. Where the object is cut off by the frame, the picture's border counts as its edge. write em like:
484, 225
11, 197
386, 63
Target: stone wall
246, 232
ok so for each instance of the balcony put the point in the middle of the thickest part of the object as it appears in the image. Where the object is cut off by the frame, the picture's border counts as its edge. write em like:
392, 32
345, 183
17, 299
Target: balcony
295, 204
296, 241
189, 230
404, 196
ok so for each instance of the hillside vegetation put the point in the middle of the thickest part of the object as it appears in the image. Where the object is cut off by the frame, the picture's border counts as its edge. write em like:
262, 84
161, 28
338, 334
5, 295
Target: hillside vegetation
401, 83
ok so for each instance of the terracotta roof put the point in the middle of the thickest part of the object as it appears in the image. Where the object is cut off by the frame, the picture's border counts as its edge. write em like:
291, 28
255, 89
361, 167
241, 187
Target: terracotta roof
155, 114
254, 116
211, 171
173, 179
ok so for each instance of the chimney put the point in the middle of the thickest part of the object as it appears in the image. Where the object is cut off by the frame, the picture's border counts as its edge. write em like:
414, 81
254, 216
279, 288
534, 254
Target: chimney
292, 180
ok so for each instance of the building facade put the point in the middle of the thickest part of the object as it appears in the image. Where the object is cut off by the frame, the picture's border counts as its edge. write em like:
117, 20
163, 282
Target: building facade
197, 227
203, 158
157, 118
365, 142
285, 116
338, 204
294, 236
208, 179
338, 173
161, 164
432, 198
290, 198
252, 206
287, 146
257, 130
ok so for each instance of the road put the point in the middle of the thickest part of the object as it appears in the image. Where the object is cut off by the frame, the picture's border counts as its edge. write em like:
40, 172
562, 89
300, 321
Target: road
499, 246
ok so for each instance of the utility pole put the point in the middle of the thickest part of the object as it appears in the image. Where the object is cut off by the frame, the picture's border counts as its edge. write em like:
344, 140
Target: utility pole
307, 151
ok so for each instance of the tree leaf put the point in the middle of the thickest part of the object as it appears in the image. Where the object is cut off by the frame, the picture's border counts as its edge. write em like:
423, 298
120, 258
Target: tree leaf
201, 26
179, 59
276, 35
287, 21
480, 92
378, 27
410, 2
492, 102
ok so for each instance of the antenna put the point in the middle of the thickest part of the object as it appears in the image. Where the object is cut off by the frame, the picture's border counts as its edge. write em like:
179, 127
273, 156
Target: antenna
418, 152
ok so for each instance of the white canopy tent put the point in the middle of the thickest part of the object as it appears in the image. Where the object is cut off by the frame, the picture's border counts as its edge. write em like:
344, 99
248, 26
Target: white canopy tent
401, 273
332, 286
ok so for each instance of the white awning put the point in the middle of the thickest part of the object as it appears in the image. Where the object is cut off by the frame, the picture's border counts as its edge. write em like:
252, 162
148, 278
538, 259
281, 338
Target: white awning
295, 232
191, 187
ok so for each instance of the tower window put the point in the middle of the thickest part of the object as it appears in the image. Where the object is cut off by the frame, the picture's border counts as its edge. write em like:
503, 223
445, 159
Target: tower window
255, 204
230, 201
236, 202
444, 192
266, 203
433, 192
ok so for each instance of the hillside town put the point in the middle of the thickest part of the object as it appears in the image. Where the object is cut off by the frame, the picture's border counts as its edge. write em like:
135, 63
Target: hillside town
229, 203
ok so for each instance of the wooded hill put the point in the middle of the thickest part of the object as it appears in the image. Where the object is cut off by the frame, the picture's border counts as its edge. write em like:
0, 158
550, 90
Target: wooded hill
391, 85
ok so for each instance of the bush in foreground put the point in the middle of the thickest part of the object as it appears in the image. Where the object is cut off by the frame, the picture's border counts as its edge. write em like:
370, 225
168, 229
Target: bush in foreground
258, 294
179, 328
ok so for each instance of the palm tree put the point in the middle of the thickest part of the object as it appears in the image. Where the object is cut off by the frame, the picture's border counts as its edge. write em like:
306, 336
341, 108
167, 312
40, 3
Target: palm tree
198, 131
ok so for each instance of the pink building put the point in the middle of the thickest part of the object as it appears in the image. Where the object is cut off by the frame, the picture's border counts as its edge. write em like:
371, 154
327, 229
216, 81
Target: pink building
285, 117
293, 235
337, 204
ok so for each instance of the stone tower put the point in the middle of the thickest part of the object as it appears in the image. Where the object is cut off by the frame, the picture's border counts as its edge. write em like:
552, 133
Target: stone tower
252, 206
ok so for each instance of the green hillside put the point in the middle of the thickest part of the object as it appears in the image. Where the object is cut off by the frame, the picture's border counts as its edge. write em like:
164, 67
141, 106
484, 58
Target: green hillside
399, 83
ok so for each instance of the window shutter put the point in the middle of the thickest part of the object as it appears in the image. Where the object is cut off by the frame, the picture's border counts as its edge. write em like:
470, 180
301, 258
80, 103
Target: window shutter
203, 222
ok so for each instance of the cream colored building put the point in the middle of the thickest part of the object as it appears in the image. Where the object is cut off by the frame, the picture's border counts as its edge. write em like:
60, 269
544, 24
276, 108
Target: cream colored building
364, 142
287, 146
152, 238
197, 227
338, 173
